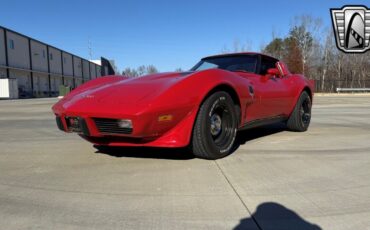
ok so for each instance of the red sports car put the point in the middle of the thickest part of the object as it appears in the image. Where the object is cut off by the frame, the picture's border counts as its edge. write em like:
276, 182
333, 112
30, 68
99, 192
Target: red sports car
202, 108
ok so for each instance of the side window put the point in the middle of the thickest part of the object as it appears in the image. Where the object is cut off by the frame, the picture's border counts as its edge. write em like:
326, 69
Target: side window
245, 63
267, 63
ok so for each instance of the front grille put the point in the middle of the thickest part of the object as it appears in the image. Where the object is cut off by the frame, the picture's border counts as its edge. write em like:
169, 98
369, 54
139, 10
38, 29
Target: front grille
110, 126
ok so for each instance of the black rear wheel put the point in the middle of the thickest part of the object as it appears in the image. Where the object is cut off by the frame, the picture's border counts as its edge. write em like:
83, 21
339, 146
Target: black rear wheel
215, 127
300, 118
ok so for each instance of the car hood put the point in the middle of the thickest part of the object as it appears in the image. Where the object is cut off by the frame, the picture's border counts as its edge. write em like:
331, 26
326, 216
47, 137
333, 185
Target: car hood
127, 92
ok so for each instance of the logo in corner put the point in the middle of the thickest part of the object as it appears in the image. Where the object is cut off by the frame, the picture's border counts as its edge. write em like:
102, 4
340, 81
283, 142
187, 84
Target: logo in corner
351, 26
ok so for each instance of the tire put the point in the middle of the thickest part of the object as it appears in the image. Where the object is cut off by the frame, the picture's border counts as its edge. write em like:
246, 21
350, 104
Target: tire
300, 118
215, 127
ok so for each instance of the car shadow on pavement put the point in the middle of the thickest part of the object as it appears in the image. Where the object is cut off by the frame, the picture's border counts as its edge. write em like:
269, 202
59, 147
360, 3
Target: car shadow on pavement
258, 132
185, 153
271, 215
147, 152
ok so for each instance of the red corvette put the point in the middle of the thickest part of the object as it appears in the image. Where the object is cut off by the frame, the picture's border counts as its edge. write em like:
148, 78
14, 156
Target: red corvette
202, 108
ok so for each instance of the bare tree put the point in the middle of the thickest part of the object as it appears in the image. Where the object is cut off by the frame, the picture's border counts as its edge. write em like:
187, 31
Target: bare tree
238, 47
140, 71
130, 72
150, 69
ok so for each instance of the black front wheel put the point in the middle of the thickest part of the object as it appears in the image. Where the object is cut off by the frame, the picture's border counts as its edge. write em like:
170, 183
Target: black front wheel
215, 127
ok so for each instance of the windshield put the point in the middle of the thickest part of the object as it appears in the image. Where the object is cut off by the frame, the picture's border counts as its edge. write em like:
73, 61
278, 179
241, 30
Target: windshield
246, 63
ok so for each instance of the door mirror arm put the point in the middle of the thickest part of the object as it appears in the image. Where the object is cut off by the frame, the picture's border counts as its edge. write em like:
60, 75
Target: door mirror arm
273, 72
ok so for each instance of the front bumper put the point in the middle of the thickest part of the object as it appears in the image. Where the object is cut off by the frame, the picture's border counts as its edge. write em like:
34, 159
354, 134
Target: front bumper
94, 127
148, 129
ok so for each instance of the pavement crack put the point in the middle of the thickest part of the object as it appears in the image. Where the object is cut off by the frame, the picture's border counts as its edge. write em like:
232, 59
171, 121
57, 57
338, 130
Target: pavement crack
238, 195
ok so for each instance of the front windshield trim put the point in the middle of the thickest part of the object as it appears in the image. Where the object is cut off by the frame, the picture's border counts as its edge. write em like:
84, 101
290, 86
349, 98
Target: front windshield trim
230, 55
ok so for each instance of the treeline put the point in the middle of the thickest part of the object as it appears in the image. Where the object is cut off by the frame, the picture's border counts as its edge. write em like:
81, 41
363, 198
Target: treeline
140, 71
143, 70
310, 49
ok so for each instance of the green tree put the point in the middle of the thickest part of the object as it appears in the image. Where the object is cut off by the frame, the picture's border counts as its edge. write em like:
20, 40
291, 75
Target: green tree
275, 48
292, 55
304, 41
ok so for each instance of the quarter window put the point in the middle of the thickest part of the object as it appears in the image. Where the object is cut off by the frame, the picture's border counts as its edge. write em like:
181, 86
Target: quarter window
267, 63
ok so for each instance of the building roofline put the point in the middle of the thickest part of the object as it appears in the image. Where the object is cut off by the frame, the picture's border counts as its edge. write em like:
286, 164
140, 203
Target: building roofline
43, 43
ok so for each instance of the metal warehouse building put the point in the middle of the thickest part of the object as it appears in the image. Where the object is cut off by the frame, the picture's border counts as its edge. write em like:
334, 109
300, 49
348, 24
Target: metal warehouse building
40, 69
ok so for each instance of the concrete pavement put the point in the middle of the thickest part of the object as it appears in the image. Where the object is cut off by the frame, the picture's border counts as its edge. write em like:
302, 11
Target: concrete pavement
275, 180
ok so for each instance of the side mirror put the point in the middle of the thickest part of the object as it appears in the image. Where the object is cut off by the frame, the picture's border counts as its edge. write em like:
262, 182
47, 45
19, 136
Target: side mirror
273, 72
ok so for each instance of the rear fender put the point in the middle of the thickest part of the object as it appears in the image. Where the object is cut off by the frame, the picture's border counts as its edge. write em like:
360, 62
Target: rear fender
304, 85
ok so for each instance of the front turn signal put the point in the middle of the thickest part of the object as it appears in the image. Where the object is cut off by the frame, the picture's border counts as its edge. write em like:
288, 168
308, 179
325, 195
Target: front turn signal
167, 117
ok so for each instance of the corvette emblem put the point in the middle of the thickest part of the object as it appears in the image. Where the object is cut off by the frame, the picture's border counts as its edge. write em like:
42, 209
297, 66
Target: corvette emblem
351, 26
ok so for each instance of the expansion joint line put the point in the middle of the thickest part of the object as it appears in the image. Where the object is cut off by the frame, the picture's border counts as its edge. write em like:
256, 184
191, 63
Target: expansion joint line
237, 194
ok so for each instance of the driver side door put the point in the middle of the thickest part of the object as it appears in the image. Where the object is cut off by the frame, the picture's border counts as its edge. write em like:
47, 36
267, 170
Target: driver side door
271, 90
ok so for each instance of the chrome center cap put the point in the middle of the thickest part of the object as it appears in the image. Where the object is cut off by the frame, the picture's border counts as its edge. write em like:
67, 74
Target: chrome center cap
216, 124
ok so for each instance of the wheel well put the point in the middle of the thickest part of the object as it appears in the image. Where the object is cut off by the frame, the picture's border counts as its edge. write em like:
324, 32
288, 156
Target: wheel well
228, 89
231, 91
308, 90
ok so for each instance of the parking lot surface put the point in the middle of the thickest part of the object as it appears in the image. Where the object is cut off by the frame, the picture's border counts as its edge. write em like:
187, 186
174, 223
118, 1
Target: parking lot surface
319, 179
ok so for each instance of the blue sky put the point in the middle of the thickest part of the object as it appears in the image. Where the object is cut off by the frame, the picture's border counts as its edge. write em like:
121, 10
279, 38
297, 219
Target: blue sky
165, 33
